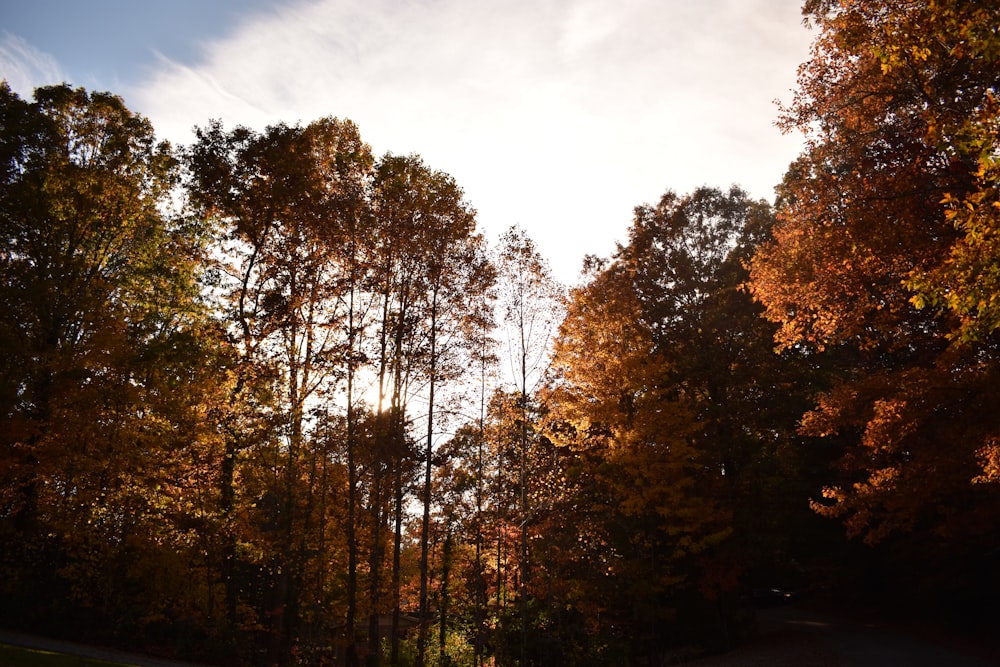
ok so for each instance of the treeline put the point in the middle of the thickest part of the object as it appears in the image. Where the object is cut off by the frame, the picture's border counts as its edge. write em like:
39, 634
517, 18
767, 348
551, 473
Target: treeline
268, 398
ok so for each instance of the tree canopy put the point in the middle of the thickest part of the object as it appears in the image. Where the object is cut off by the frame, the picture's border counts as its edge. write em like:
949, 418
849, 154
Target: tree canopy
881, 259
269, 397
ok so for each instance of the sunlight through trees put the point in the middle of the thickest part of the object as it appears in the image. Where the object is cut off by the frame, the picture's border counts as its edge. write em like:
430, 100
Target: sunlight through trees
272, 399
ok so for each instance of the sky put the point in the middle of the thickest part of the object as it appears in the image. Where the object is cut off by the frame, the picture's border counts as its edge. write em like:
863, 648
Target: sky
560, 116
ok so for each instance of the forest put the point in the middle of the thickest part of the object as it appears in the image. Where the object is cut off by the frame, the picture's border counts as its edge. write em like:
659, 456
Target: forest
269, 398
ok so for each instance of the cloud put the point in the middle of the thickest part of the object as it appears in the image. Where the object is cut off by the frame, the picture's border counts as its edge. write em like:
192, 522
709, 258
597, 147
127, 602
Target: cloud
560, 116
24, 67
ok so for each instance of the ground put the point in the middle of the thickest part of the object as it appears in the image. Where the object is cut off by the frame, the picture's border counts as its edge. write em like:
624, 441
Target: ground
791, 636
87, 651
795, 637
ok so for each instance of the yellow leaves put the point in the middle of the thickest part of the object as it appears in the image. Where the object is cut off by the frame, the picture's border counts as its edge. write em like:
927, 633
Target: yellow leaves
920, 54
861, 507
833, 510
833, 410
966, 283
920, 301
989, 460
889, 424
879, 480
605, 358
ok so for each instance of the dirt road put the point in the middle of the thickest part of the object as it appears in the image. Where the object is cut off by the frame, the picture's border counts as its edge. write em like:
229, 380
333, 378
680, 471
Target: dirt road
794, 637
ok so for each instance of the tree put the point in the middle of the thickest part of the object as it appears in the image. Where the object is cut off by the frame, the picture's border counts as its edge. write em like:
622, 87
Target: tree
626, 432
674, 427
687, 258
531, 301
442, 273
101, 329
419, 213
867, 265
290, 203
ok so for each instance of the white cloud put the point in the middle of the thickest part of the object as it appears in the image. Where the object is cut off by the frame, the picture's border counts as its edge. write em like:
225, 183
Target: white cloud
560, 116
24, 67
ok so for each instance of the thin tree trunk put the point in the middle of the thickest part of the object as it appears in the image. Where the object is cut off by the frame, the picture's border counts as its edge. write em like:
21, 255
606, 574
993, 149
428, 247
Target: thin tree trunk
321, 546
396, 549
501, 520
445, 575
480, 617
398, 406
426, 523
523, 434
352, 499
374, 567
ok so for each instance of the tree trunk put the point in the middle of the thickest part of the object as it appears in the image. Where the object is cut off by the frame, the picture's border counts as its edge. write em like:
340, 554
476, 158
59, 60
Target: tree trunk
350, 627
429, 463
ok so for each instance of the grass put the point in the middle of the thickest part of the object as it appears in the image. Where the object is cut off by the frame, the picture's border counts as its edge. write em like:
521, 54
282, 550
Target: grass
17, 656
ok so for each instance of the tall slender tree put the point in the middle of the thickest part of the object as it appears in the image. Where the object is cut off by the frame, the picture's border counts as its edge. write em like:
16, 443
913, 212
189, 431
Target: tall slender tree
532, 303
288, 201
455, 272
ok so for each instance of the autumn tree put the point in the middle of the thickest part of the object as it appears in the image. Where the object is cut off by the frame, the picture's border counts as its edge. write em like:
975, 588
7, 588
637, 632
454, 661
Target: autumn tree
455, 272
882, 256
289, 203
395, 271
105, 357
431, 277
688, 256
531, 303
626, 430
674, 426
